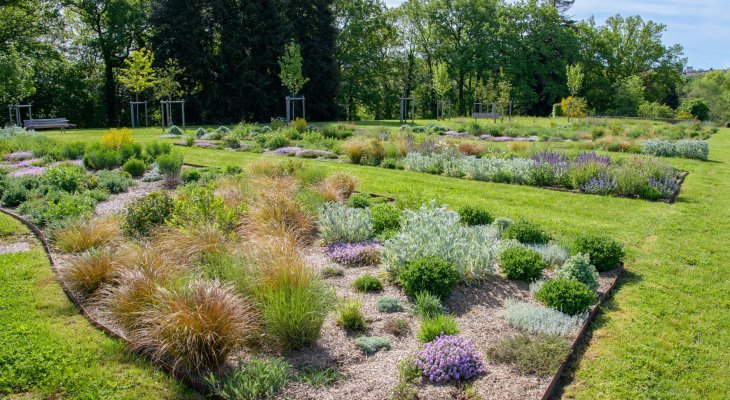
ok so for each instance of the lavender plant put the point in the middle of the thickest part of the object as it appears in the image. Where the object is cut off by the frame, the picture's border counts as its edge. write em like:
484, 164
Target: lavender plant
339, 223
355, 254
603, 184
449, 359
537, 319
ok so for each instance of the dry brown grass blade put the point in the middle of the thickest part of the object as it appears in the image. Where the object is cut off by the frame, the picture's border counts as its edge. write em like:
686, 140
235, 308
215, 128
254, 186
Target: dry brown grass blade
87, 234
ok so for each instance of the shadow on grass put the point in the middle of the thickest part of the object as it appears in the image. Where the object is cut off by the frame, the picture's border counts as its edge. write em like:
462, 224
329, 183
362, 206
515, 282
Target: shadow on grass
609, 305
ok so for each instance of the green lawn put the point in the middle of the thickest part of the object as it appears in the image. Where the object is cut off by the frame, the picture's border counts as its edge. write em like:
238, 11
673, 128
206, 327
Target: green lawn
665, 332
48, 350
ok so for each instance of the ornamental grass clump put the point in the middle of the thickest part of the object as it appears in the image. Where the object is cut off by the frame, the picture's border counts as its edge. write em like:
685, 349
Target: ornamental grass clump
449, 359
196, 327
88, 272
427, 305
274, 209
579, 268
339, 223
355, 254
536, 319
83, 235
350, 316
367, 283
433, 327
436, 232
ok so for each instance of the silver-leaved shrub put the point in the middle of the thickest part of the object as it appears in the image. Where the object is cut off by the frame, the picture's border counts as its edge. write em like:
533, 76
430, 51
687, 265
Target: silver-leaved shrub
435, 231
551, 253
339, 223
579, 268
537, 319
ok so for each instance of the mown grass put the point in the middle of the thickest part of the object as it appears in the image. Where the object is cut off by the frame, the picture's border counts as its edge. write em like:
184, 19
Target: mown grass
664, 333
48, 350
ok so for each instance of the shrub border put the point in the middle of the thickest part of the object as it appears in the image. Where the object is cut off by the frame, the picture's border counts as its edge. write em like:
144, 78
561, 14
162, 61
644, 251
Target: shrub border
194, 384
204, 389
555, 382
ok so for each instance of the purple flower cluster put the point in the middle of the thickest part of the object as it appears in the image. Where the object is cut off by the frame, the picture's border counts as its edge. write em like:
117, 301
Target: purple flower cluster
549, 157
287, 151
449, 359
592, 158
19, 156
604, 183
491, 138
666, 185
462, 135
355, 254
27, 163
30, 171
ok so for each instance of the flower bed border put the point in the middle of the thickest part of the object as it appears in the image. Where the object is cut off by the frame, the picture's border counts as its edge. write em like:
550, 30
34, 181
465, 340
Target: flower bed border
204, 389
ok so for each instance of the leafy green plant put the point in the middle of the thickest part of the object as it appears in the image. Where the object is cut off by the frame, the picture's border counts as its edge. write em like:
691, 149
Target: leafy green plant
319, 377
135, 167
428, 274
255, 379
190, 175
156, 149
98, 157
170, 164
14, 194
113, 181
565, 295
359, 200
367, 283
372, 344
350, 316
605, 253
526, 232
579, 268
442, 324
388, 304
533, 318
474, 216
385, 217
427, 305
540, 355
520, 263
146, 213
67, 177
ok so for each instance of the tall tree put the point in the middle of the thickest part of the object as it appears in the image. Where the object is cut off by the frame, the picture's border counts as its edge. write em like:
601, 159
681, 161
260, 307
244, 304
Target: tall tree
575, 76
138, 74
290, 64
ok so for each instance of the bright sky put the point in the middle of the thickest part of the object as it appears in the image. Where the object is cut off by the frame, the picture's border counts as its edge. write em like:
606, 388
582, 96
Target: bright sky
701, 26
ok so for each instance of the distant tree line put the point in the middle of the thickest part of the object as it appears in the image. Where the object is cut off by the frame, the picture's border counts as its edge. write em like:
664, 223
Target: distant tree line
69, 58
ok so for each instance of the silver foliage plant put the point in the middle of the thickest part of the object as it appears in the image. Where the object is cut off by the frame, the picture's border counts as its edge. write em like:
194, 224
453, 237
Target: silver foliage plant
339, 223
551, 253
579, 268
517, 170
537, 319
435, 231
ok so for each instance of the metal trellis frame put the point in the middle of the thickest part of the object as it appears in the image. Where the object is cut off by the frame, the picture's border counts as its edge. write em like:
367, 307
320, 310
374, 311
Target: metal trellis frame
404, 109
166, 112
443, 109
290, 107
14, 113
134, 113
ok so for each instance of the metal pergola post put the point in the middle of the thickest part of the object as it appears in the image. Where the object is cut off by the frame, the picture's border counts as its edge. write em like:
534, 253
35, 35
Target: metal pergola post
291, 109
166, 112
15, 109
404, 103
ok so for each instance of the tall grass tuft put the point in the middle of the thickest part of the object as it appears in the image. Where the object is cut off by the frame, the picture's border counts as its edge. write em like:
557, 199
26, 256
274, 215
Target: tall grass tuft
275, 210
192, 243
89, 271
196, 327
293, 300
338, 187
83, 235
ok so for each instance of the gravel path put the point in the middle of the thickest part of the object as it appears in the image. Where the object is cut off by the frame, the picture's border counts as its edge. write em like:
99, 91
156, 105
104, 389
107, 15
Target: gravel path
118, 202
14, 248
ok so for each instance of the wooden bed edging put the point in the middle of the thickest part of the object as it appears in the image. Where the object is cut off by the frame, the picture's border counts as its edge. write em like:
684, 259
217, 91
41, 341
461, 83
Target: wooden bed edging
550, 391
193, 384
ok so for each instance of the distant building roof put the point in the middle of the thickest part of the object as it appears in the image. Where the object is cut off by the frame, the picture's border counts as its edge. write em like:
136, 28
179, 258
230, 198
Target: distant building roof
690, 71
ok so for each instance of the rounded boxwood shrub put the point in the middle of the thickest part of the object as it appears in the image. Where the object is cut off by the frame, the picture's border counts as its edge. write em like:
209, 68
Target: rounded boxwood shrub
605, 253
385, 217
526, 232
522, 264
579, 268
566, 295
474, 216
190, 175
135, 167
428, 274
146, 213
368, 283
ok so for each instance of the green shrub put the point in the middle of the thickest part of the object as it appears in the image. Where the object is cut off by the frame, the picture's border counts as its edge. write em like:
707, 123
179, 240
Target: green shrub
135, 167
276, 141
442, 324
385, 217
540, 355
156, 149
474, 216
198, 206
566, 295
332, 272
427, 305
389, 304
56, 207
113, 181
526, 232
174, 130
170, 164
128, 151
428, 274
190, 175
232, 170
367, 283
253, 380
146, 213
72, 151
359, 200
14, 194
522, 264
605, 253
372, 344
579, 268
350, 316
98, 157
67, 177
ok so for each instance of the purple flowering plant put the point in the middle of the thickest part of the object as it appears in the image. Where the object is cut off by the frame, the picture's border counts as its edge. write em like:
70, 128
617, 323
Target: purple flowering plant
604, 184
592, 158
19, 156
666, 185
449, 359
355, 254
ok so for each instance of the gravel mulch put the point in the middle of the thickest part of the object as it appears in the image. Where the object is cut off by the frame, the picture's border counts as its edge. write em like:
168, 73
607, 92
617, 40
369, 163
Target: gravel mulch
117, 202
14, 248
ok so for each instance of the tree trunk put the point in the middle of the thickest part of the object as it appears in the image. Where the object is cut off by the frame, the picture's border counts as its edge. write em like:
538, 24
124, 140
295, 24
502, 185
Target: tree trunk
110, 93
462, 110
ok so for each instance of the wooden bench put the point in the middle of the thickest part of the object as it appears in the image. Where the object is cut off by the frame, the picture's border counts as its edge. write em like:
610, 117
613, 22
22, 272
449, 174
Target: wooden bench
486, 115
49, 123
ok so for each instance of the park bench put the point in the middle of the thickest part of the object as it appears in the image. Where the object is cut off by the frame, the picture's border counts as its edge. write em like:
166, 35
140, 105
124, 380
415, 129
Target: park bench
49, 123
486, 115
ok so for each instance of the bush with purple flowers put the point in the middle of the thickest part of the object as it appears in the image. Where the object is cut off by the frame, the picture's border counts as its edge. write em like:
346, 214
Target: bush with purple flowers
604, 184
449, 359
355, 254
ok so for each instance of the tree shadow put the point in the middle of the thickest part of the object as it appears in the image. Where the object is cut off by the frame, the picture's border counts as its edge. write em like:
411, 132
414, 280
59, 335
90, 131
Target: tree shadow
608, 306
489, 294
